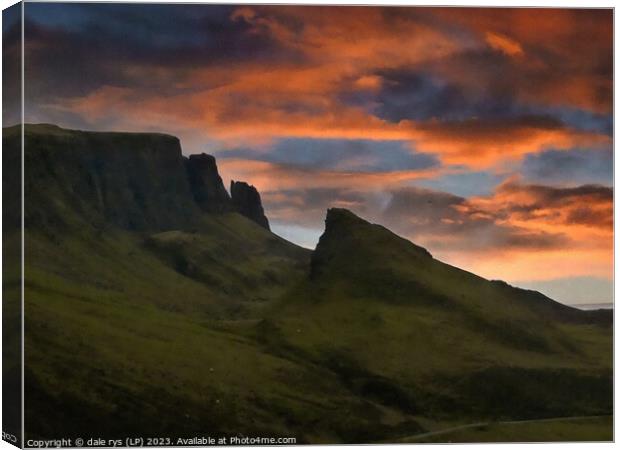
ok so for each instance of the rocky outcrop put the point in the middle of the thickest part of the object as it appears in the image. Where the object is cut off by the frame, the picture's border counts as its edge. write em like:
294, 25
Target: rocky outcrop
246, 200
206, 184
135, 181
348, 240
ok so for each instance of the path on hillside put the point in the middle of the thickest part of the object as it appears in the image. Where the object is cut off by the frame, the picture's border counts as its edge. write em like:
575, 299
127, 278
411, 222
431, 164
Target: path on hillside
482, 424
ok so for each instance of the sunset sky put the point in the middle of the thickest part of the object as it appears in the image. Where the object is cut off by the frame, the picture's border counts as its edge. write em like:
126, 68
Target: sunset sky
484, 135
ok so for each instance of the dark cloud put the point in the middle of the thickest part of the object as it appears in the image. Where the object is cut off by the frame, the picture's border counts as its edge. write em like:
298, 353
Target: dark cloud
566, 56
586, 215
495, 222
585, 120
176, 35
11, 65
410, 94
423, 206
581, 166
546, 196
74, 49
351, 155
434, 215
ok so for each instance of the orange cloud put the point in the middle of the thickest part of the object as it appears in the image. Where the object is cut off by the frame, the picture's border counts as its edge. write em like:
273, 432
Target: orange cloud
278, 177
589, 207
568, 53
520, 232
240, 113
341, 49
584, 214
503, 43
478, 143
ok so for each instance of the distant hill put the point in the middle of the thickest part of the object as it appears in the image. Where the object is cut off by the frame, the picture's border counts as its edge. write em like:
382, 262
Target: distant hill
157, 304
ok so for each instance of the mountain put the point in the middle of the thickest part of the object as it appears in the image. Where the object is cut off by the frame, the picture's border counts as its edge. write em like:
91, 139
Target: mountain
158, 305
411, 332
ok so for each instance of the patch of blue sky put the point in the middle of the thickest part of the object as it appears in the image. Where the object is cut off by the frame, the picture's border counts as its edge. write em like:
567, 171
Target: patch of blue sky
340, 154
465, 184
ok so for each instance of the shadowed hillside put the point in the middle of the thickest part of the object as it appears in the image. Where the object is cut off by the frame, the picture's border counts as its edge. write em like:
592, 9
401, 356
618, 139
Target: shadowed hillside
157, 305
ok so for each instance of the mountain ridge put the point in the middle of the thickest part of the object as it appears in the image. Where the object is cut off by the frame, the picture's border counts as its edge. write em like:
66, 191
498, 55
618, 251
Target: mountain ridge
339, 236
197, 185
135, 180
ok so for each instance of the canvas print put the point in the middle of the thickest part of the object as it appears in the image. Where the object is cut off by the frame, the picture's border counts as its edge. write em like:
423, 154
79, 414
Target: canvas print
285, 224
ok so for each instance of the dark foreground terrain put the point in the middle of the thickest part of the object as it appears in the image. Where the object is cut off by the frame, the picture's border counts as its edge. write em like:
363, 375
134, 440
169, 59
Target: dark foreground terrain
159, 306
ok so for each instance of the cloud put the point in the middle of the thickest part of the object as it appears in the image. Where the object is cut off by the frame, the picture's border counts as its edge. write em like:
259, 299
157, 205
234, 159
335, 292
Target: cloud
254, 74
547, 207
482, 143
407, 94
520, 231
284, 205
503, 43
567, 57
268, 176
339, 154
445, 220
244, 116
11, 72
581, 166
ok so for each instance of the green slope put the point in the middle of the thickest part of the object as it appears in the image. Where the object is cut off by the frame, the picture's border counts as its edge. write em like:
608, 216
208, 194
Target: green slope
399, 324
184, 323
120, 343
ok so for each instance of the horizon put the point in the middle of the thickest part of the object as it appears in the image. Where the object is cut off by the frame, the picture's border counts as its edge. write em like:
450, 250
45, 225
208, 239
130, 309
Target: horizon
483, 135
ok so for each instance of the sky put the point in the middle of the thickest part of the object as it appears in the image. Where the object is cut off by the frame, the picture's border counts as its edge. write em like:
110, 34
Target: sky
484, 135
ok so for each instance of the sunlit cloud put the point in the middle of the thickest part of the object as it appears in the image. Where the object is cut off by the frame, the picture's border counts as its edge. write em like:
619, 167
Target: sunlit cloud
503, 43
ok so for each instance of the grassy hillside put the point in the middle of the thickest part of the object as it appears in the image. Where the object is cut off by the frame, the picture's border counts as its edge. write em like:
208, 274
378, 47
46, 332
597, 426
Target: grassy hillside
399, 324
120, 342
170, 327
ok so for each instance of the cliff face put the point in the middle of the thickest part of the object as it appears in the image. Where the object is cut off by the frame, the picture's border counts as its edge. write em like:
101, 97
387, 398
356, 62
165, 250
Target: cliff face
137, 181
206, 184
246, 200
